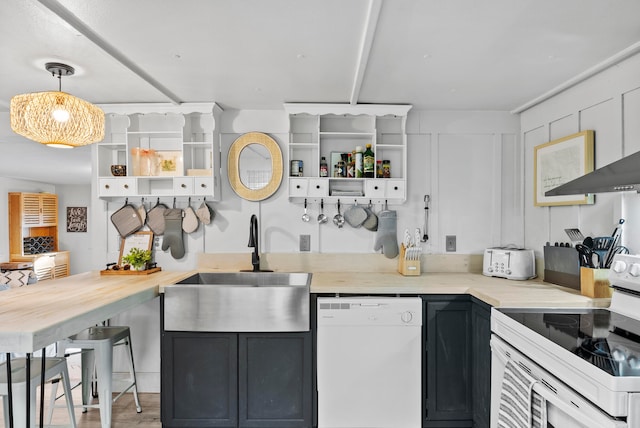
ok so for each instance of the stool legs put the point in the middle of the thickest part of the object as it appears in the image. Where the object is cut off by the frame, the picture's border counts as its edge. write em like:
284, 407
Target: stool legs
132, 373
103, 353
20, 404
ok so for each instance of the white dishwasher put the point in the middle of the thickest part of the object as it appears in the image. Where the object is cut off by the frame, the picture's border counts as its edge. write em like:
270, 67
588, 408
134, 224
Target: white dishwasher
369, 362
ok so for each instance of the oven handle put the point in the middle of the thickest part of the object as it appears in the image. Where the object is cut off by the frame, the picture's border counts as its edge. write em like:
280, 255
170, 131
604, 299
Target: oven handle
595, 417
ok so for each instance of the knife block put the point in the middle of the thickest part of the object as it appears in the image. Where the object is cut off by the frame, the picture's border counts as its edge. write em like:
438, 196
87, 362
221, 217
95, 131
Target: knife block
407, 267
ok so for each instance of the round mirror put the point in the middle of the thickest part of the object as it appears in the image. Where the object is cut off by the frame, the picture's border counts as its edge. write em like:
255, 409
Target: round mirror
254, 166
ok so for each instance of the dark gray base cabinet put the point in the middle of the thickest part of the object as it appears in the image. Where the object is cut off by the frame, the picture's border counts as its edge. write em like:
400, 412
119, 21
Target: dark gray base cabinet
230, 380
447, 361
457, 361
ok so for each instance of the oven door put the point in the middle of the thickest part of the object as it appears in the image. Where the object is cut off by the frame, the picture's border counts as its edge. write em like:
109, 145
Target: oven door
564, 407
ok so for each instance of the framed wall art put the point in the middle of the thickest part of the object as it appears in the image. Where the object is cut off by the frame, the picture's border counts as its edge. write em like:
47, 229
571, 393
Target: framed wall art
560, 161
170, 163
76, 219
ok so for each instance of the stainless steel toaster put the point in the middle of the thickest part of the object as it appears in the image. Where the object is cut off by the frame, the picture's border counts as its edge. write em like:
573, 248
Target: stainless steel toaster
509, 262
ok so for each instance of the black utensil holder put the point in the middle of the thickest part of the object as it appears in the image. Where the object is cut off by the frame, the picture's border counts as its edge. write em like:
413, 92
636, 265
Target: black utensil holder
562, 266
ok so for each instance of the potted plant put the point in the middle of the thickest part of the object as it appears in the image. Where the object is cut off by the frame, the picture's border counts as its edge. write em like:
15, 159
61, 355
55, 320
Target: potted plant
137, 258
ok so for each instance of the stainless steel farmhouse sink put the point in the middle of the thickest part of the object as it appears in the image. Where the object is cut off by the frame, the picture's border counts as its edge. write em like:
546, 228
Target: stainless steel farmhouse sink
238, 301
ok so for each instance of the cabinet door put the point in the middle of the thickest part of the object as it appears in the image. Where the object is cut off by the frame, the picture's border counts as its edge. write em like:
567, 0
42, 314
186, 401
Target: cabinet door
275, 387
199, 380
448, 362
30, 210
481, 381
49, 210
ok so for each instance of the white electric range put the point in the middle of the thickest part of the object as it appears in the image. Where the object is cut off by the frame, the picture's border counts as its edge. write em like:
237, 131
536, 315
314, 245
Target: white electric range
583, 362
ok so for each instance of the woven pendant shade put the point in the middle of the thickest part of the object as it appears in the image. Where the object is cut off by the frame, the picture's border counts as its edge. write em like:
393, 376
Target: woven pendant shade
56, 119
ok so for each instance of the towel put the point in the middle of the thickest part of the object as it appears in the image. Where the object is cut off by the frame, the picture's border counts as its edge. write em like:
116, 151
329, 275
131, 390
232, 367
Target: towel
520, 405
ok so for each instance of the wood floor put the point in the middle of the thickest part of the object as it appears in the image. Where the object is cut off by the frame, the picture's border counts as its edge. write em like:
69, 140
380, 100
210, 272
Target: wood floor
123, 414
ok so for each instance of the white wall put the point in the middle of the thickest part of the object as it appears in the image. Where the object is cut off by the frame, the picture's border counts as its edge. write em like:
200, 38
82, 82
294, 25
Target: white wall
608, 103
78, 243
470, 164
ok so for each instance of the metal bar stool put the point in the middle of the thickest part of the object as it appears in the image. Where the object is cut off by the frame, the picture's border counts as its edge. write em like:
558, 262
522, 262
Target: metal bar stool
97, 345
54, 367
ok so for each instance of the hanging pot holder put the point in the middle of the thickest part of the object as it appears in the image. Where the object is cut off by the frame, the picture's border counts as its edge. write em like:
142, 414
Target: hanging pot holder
189, 220
155, 218
205, 213
126, 220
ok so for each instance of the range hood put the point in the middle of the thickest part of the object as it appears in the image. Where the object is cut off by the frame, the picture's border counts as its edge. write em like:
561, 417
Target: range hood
619, 176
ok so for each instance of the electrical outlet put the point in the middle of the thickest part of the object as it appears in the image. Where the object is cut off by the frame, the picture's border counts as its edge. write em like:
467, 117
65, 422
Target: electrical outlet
450, 243
305, 242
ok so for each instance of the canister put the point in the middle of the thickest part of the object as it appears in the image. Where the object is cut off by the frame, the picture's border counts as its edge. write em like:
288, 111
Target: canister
296, 168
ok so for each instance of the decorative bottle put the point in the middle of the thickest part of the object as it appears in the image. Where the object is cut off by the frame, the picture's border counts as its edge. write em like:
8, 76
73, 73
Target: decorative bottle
324, 168
368, 163
358, 167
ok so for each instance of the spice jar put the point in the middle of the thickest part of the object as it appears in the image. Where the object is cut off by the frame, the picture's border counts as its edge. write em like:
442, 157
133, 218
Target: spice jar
386, 169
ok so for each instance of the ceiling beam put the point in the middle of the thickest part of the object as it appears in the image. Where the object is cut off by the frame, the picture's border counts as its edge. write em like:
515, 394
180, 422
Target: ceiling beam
598, 68
75, 22
365, 47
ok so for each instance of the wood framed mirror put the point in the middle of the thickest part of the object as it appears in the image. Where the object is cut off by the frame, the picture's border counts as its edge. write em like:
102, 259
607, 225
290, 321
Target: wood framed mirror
254, 166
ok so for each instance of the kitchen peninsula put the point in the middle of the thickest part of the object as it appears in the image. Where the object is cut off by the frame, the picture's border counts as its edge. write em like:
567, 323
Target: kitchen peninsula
35, 316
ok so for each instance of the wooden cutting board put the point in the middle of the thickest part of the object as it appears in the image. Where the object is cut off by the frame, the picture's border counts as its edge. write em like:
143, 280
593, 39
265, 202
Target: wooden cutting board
130, 272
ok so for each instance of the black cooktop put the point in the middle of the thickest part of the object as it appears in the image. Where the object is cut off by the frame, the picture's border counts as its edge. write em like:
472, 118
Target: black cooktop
607, 340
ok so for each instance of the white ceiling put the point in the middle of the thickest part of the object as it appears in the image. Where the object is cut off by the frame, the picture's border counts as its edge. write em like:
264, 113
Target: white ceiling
258, 54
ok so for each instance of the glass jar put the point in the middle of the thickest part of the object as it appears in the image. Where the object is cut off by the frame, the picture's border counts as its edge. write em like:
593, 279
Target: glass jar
386, 169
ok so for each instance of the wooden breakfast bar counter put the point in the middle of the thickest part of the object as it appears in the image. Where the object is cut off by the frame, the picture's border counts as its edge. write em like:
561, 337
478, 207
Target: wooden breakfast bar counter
35, 316
38, 315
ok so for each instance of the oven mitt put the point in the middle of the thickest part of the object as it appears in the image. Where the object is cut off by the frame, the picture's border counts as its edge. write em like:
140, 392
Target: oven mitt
142, 212
126, 220
189, 220
204, 213
173, 233
155, 219
386, 236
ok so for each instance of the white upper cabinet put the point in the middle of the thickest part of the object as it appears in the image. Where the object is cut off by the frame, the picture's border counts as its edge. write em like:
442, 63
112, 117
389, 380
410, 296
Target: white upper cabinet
333, 131
167, 150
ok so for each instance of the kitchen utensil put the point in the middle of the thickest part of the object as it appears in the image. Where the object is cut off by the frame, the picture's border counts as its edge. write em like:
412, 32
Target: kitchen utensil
574, 234
616, 250
425, 236
190, 221
588, 241
602, 242
204, 213
387, 235
305, 216
155, 218
588, 258
126, 219
407, 239
322, 218
142, 211
371, 223
356, 215
338, 219
616, 235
